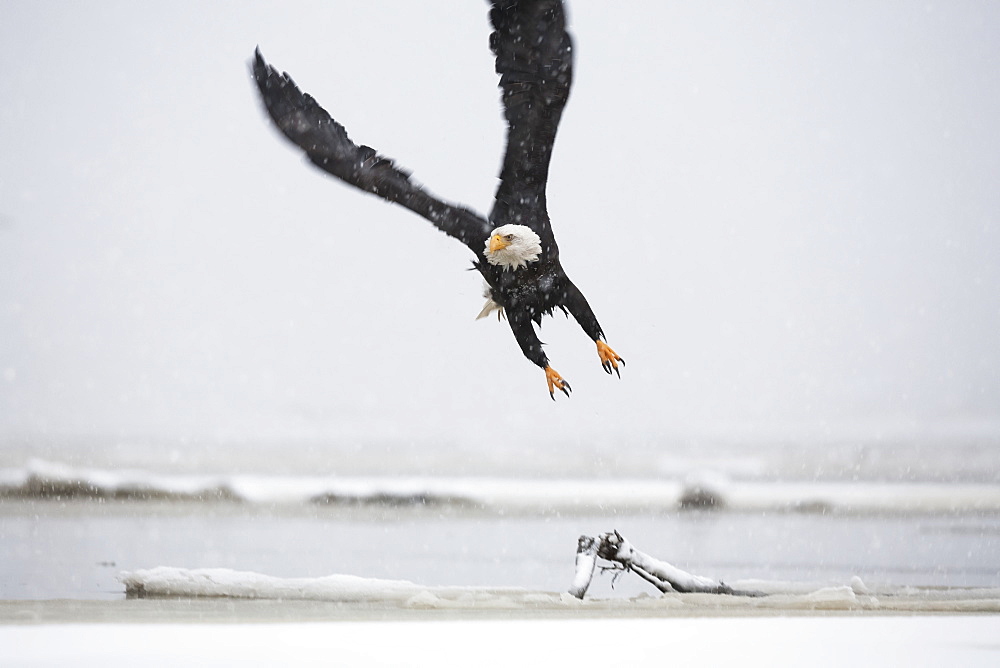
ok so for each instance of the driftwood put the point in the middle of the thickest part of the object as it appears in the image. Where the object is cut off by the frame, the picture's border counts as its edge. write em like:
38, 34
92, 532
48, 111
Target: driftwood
612, 547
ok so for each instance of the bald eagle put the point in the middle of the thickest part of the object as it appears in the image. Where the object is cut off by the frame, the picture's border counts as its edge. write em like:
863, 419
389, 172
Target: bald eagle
515, 249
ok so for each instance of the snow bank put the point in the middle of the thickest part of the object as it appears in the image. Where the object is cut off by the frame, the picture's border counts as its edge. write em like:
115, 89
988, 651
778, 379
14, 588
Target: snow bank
41, 479
166, 582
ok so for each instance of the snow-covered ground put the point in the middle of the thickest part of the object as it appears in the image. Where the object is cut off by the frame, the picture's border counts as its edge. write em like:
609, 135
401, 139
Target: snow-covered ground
772, 641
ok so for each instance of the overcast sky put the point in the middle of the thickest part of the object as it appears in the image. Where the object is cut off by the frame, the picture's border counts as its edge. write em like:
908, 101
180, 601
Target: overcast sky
786, 216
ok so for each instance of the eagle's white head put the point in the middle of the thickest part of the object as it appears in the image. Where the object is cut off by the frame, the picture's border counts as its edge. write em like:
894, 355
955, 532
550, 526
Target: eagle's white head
513, 246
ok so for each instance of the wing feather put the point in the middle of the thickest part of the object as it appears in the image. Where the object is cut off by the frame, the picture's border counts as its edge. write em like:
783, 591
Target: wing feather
325, 142
534, 58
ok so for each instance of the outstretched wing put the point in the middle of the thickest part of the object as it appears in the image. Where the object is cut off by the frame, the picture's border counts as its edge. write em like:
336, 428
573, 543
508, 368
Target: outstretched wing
535, 62
327, 145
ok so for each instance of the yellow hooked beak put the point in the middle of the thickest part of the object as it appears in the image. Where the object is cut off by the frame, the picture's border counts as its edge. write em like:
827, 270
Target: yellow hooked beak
498, 243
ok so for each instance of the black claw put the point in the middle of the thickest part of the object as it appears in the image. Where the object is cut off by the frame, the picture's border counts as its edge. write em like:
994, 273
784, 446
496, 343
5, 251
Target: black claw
622, 361
618, 372
566, 389
561, 385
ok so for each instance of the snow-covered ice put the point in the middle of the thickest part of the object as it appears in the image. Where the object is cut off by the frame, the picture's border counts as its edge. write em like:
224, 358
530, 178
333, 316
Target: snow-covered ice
168, 582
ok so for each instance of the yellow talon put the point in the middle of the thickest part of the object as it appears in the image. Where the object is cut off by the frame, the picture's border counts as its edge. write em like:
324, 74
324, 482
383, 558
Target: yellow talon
556, 382
609, 358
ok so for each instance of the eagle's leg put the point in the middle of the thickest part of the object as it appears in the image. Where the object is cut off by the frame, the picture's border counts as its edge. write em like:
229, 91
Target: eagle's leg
576, 304
556, 382
526, 337
609, 358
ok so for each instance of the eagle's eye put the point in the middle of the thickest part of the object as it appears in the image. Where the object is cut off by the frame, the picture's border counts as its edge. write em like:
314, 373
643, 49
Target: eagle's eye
509, 237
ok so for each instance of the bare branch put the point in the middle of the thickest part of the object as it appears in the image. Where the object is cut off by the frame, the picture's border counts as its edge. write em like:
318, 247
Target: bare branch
586, 560
613, 547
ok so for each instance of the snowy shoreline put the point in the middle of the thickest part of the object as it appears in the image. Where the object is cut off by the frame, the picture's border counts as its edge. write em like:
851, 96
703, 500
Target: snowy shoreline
48, 480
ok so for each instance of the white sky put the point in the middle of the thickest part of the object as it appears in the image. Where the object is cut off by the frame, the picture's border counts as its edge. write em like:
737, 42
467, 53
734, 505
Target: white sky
785, 215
